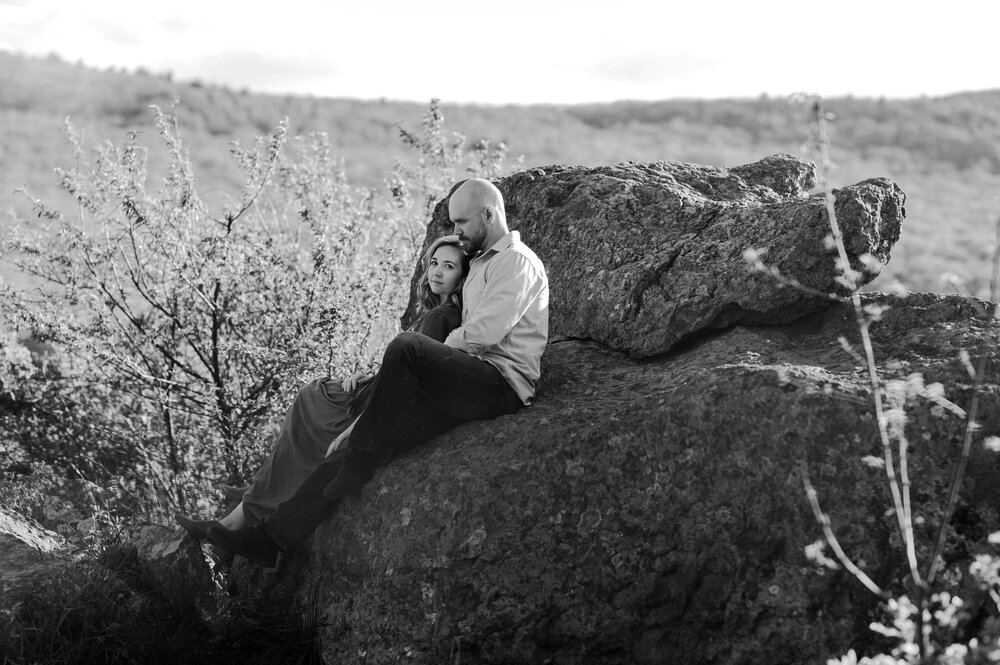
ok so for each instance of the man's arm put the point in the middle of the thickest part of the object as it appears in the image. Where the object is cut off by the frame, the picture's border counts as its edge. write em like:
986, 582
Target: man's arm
514, 284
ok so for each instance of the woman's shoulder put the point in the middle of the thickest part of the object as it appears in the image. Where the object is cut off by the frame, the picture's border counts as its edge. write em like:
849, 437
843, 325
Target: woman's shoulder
449, 311
453, 311
438, 322
445, 308
449, 308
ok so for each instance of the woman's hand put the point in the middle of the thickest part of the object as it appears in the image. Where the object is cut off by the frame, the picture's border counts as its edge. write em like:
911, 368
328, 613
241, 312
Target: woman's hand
341, 439
351, 382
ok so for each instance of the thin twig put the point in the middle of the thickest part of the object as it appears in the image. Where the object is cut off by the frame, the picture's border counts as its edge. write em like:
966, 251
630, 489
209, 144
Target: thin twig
956, 481
831, 539
970, 424
995, 274
900, 505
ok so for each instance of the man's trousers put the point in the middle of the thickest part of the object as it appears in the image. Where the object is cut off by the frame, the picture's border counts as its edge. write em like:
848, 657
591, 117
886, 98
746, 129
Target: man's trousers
423, 388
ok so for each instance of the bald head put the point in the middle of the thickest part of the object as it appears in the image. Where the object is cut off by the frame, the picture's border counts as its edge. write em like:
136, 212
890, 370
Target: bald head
477, 193
477, 211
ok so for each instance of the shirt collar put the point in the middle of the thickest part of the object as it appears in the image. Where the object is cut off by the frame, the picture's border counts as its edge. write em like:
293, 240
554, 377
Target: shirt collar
503, 243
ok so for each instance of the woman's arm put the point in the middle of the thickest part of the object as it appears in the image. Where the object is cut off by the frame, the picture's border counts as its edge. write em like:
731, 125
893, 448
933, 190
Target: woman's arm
351, 382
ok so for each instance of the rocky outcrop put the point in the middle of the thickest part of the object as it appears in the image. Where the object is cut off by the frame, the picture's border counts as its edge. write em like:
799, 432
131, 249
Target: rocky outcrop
29, 553
33, 555
649, 507
641, 256
654, 512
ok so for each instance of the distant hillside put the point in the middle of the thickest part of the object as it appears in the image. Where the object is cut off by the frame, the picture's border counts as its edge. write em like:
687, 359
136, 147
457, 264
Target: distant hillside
944, 152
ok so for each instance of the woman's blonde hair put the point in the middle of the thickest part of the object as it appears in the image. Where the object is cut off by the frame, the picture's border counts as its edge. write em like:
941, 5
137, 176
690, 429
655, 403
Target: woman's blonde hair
425, 298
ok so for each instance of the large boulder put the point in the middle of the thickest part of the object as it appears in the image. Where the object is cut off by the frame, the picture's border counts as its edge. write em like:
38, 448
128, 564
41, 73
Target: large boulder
641, 256
650, 507
654, 511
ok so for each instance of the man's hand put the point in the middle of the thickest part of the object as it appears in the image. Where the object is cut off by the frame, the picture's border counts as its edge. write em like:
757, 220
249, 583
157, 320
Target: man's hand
341, 439
351, 382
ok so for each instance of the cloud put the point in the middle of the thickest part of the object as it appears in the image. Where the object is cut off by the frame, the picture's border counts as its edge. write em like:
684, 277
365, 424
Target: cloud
652, 67
555, 52
177, 25
47, 26
256, 69
114, 32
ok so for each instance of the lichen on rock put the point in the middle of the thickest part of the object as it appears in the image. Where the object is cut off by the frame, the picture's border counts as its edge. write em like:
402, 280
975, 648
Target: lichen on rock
652, 511
649, 506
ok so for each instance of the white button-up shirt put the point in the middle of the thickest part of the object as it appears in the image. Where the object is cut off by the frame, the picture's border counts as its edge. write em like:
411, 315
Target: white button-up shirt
505, 313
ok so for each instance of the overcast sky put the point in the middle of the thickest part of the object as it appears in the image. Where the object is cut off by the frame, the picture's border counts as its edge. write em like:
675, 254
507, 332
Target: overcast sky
528, 51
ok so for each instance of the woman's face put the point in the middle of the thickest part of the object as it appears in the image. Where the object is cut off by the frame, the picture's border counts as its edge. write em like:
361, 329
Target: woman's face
445, 271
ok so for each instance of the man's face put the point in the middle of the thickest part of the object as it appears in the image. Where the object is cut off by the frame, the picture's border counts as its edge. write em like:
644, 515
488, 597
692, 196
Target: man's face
470, 226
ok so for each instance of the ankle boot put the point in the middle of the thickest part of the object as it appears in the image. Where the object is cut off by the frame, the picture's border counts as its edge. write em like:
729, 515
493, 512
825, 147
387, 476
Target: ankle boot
197, 528
251, 542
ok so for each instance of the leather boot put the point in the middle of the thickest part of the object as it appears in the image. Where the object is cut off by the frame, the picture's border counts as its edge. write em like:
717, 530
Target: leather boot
250, 542
197, 528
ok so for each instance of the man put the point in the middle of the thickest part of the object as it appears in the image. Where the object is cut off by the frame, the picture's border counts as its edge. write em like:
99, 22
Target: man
487, 367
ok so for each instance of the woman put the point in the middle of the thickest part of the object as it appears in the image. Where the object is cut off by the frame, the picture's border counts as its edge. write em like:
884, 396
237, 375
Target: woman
324, 408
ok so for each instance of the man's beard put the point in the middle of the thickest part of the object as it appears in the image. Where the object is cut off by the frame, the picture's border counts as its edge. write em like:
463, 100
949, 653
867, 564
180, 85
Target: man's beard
471, 246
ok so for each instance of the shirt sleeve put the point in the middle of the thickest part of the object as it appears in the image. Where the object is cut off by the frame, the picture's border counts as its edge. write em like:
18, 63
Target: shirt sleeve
513, 284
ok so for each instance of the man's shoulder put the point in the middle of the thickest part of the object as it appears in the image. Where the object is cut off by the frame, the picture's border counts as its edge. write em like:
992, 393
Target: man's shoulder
519, 252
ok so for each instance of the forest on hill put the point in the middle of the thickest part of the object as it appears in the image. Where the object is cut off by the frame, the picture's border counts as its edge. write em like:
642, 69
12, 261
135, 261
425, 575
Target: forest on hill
944, 152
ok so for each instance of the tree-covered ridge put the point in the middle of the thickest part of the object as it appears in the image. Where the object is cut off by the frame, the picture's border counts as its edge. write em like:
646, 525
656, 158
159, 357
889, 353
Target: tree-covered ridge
942, 151
962, 130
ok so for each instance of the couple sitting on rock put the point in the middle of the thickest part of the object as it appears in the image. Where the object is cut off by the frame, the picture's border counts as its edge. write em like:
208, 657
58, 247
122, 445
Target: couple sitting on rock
474, 353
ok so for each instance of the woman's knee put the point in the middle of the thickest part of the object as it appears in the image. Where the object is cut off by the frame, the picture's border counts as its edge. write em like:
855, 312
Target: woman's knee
307, 388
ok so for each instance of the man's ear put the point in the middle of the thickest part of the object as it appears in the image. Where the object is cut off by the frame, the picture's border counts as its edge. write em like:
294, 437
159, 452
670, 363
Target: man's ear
488, 214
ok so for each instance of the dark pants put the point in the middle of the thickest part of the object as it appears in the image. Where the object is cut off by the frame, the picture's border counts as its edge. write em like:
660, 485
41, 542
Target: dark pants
423, 388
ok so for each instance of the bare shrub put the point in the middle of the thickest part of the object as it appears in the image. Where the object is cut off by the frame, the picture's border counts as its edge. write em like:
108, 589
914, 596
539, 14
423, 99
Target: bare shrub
183, 333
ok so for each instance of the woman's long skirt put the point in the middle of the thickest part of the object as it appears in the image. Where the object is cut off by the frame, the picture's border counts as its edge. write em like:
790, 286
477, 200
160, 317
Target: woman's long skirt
320, 412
